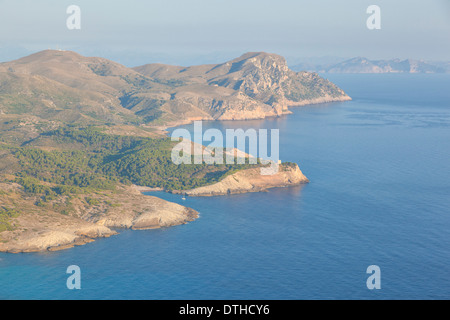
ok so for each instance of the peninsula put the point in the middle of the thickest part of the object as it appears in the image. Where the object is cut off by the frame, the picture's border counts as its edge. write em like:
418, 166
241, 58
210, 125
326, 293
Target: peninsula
78, 135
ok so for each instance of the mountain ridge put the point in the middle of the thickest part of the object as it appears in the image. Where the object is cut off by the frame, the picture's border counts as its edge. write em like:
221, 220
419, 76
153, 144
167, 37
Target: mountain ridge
76, 141
97, 90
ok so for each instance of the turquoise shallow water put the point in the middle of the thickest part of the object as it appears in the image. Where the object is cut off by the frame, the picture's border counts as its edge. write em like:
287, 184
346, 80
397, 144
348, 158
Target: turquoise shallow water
379, 194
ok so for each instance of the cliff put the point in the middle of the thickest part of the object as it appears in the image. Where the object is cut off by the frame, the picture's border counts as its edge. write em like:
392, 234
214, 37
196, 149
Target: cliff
251, 180
66, 86
364, 65
57, 183
37, 230
255, 85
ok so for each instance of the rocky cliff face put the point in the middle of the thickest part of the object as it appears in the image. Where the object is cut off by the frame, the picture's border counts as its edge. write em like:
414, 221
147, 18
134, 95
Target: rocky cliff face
63, 85
253, 86
251, 180
43, 230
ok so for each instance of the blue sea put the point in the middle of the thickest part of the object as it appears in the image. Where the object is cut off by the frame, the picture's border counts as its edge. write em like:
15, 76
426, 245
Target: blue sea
379, 167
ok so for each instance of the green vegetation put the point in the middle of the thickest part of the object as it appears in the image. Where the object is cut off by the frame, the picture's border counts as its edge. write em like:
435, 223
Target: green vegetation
101, 161
5, 216
288, 164
64, 167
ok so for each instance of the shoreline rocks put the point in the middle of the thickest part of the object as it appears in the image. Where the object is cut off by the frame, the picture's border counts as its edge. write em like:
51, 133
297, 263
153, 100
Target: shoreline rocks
250, 180
40, 231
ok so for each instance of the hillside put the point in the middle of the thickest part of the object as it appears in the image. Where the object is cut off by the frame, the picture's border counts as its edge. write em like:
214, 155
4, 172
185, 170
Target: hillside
68, 87
251, 180
65, 86
78, 134
68, 185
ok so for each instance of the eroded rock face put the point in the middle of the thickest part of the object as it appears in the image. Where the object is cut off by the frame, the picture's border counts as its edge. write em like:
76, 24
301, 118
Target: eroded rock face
37, 229
251, 180
67, 86
253, 86
50, 237
51, 231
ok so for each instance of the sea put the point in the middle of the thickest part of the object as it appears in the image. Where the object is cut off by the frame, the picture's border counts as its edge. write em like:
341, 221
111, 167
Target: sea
379, 195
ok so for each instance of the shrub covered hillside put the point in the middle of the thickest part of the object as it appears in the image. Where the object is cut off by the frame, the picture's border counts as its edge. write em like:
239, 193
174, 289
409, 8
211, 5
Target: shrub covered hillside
100, 161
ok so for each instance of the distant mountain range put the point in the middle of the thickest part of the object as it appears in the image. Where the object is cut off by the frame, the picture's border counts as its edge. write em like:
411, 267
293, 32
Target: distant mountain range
66, 86
363, 65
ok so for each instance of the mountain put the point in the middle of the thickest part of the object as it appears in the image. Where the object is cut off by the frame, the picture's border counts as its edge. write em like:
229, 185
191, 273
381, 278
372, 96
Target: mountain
364, 65
255, 85
63, 85
78, 134
66, 86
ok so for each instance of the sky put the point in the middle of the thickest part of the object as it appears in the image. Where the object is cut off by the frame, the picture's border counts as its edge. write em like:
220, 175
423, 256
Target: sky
186, 32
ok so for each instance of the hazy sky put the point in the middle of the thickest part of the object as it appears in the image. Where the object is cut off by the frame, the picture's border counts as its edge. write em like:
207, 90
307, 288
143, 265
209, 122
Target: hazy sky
175, 31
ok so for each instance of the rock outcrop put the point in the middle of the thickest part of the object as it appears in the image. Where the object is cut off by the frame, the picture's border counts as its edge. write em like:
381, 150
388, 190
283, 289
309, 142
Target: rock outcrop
251, 180
38, 230
254, 86
63, 85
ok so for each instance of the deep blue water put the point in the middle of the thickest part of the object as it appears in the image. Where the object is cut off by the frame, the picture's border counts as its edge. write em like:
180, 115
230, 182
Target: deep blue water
379, 195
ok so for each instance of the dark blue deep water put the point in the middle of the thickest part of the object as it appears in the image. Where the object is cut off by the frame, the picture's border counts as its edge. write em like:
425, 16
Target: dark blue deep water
379, 195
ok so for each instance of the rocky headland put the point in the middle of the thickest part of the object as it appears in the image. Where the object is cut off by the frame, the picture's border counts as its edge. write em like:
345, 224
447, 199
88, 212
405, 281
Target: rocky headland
37, 229
45, 95
251, 180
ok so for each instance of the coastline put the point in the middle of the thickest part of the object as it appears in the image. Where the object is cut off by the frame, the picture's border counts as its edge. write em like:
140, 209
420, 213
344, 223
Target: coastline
162, 129
46, 230
250, 180
137, 211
